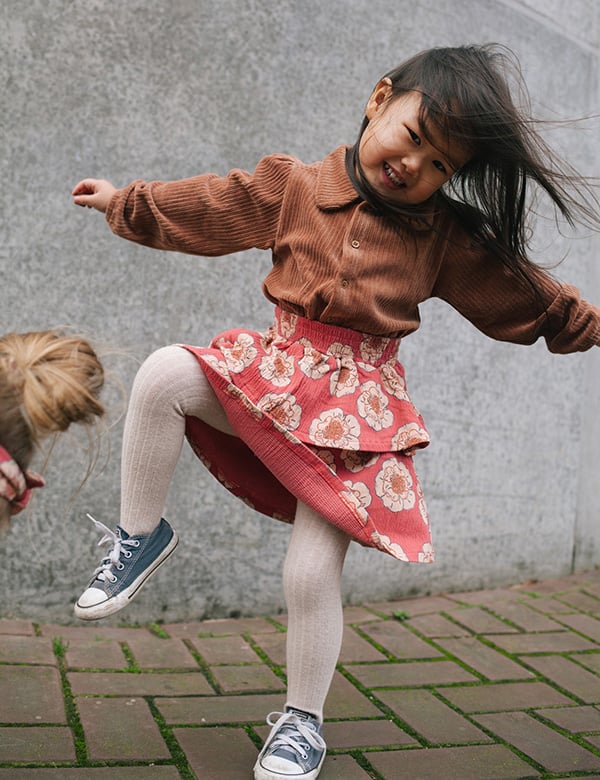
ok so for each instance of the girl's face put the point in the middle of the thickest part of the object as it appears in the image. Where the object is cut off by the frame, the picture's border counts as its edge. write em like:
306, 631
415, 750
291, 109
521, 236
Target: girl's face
397, 160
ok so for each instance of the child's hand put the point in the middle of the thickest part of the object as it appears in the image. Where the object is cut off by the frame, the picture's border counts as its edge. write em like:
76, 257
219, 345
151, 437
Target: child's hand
93, 193
12, 480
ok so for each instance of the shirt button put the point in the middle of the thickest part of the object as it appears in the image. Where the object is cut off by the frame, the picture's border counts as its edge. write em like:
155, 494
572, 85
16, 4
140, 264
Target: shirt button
355, 244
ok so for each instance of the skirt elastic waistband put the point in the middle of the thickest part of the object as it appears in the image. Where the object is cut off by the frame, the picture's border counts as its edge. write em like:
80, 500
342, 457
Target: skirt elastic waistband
327, 338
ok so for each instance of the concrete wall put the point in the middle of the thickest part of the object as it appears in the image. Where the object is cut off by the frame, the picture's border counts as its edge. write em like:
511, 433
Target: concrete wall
163, 90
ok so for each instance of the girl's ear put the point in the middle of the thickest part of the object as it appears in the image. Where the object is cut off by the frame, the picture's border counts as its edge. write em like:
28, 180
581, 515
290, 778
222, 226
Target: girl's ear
380, 94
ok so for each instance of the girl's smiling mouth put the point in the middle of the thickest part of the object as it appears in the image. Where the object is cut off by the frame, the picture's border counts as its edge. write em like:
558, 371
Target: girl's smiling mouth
391, 177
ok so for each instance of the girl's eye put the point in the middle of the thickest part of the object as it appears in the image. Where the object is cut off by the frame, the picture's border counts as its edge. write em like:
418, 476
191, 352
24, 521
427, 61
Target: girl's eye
414, 137
441, 167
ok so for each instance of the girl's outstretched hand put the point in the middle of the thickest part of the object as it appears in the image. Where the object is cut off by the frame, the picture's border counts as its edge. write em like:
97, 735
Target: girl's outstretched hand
93, 193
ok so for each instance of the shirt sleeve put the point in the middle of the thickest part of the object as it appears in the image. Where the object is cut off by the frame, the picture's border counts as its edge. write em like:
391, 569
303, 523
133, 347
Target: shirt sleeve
206, 214
506, 307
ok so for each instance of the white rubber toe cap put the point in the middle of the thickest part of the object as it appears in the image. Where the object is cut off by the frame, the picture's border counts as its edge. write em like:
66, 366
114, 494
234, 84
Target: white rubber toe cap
91, 597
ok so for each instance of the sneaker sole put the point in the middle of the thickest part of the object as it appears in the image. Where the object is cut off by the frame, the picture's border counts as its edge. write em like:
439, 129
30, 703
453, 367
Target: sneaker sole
116, 603
260, 773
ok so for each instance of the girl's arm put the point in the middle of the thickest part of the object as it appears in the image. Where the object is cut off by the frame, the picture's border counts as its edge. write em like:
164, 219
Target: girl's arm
203, 215
505, 307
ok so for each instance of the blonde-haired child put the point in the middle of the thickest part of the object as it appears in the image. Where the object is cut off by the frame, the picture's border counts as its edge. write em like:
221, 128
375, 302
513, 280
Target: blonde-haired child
48, 380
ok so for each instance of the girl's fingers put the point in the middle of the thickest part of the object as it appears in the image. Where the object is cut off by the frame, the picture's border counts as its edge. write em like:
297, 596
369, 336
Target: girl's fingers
85, 187
12, 479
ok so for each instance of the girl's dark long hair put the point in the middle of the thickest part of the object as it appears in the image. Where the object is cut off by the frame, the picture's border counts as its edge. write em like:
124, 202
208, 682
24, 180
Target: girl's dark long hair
466, 100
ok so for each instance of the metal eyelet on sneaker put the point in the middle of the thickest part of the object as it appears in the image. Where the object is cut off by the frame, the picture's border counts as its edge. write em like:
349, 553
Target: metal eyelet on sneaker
113, 579
120, 566
127, 553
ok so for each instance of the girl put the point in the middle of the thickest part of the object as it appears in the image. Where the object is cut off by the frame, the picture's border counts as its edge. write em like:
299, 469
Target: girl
311, 422
48, 380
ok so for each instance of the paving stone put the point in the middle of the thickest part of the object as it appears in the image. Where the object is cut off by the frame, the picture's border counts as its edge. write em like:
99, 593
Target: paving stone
93, 632
574, 719
31, 694
434, 626
16, 627
523, 616
97, 654
139, 684
483, 659
357, 615
223, 753
422, 605
120, 730
341, 768
496, 697
274, 646
589, 660
281, 621
580, 682
550, 642
593, 588
478, 762
486, 598
345, 701
410, 674
26, 650
352, 734
226, 650
356, 649
37, 744
547, 605
431, 718
187, 630
587, 777
150, 772
239, 679
190, 710
364, 733
155, 653
550, 749
398, 640
584, 624
226, 626
582, 601
479, 621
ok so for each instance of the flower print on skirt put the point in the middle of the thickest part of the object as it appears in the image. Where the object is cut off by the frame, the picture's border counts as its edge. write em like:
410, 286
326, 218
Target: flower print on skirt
322, 415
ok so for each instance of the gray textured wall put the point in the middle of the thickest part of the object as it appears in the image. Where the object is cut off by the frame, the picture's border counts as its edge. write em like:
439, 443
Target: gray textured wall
165, 90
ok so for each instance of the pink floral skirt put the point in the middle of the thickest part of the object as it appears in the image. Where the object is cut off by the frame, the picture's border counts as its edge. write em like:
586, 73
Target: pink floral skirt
321, 415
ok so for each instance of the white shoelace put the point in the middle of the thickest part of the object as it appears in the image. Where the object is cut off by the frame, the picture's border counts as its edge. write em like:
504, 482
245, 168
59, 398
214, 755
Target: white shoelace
301, 738
113, 558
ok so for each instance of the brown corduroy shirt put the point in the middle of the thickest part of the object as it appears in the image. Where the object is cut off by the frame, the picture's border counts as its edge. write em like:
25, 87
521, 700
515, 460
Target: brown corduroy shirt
336, 261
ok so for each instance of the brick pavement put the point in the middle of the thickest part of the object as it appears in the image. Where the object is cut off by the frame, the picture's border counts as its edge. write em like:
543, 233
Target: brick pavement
488, 685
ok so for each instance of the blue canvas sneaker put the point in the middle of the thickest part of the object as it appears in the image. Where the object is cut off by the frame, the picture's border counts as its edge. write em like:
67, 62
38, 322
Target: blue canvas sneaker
129, 564
294, 750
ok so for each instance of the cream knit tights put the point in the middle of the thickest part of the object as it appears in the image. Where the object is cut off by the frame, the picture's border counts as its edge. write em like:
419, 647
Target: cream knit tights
312, 585
170, 385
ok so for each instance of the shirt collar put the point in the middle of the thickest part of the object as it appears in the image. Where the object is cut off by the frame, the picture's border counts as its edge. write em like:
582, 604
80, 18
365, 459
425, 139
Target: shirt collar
334, 188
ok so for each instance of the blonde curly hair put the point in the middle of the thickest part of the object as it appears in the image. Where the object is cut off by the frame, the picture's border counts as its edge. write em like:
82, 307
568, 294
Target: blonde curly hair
48, 380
